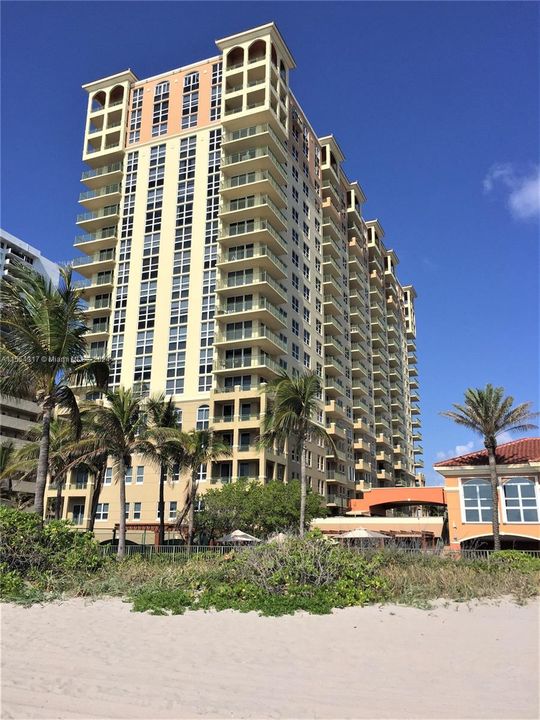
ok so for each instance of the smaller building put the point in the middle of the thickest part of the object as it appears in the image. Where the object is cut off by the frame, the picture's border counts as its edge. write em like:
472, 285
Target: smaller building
468, 497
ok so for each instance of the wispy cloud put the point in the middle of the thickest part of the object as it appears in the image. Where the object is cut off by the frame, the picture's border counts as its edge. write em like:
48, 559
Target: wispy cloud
522, 189
458, 450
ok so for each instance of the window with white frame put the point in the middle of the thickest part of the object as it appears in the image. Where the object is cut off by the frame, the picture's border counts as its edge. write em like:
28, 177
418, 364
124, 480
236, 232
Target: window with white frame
102, 511
107, 480
173, 508
520, 500
203, 417
128, 475
137, 511
477, 501
140, 475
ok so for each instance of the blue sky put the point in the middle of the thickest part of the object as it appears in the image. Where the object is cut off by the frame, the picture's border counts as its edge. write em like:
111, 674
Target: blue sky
436, 106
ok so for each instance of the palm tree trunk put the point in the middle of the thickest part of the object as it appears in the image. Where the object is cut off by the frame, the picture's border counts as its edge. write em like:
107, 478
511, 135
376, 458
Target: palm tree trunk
161, 503
494, 498
191, 513
122, 519
58, 504
95, 497
303, 489
43, 461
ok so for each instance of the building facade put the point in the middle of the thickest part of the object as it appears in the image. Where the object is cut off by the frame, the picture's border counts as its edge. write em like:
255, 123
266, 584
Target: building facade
467, 489
18, 416
223, 243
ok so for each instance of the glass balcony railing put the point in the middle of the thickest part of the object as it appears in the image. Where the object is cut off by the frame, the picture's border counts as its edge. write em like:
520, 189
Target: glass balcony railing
104, 170
253, 177
244, 253
108, 190
253, 154
97, 214
253, 202
262, 304
95, 258
254, 226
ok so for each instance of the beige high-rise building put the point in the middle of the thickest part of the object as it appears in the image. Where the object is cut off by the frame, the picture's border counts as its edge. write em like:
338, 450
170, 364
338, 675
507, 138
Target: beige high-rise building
222, 244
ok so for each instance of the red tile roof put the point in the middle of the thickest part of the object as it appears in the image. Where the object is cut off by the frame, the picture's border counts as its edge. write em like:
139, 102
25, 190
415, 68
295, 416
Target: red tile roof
512, 453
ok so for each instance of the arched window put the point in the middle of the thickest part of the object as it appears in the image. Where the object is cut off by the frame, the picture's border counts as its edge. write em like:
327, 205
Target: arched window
520, 500
203, 417
235, 57
98, 101
117, 95
257, 51
477, 504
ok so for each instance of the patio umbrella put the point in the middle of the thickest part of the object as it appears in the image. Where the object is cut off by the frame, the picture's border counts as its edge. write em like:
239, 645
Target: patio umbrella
362, 533
279, 538
238, 536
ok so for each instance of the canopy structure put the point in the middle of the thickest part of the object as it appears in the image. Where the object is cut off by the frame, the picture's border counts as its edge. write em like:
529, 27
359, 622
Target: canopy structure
238, 536
279, 538
362, 533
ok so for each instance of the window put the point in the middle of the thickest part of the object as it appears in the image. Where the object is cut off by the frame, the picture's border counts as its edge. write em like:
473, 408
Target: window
520, 500
477, 504
126, 511
102, 511
203, 417
129, 475
140, 475
137, 511
173, 505
108, 476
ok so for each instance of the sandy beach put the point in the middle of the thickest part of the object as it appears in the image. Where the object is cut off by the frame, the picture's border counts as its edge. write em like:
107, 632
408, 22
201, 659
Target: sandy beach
99, 660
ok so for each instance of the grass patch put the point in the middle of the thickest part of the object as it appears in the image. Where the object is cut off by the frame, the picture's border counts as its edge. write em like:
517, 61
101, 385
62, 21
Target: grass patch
308, 574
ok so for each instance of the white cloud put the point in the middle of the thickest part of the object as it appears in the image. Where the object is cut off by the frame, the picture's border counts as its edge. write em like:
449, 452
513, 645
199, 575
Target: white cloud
522, 189
458, 450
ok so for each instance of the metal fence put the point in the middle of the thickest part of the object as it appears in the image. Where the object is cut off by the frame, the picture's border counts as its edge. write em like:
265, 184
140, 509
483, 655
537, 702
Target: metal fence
182, 552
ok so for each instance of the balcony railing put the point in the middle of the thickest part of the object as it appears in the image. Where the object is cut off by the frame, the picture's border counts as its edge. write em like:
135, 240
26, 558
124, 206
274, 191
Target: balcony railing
252, 154
253, 177
250, 334
262, 304
239, 363
103, 170
255, 226
253, 130
252, 202
95, 258
108, 190
253, 252
96, 214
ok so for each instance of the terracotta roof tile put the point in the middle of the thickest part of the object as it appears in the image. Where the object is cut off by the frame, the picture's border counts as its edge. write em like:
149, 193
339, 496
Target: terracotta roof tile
512, 453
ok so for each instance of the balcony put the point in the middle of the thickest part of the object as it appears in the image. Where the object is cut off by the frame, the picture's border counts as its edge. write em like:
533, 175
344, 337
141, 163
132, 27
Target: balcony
332, 286
361, 425
334, 389
243, 139
385, 475
362, 466
93, 221
262, 365
259, 256
333, 326
259, 335
98, 307
106, 173
331, 247
98, 331
88, 265
99, 283
249, 282
329, 189
260, 182
95, 199
336, 430
331, 267
260, 205
335, 409
254, 159
330, 228
100, 240
333, 366
359, 349
333, 306
359, 368
333, 475
337, 501
362, 445
258, 309
260, 231
333, 346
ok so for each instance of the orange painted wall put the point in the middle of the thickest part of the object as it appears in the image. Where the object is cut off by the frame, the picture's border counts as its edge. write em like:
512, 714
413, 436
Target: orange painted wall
379, 496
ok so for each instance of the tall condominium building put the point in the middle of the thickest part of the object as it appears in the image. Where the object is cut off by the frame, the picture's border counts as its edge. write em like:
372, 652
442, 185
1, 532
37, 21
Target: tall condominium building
222, 244
18, 416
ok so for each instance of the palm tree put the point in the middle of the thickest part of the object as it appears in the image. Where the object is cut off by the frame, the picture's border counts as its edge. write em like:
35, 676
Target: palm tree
42, 351
200, 447
118, 426
163, 445
290, 418
488, 413
63, 454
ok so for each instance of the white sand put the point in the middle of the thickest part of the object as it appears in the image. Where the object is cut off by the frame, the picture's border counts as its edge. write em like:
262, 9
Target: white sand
99, 660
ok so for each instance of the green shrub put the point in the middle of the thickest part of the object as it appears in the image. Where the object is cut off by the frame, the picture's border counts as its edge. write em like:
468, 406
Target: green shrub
32, 549
516, 560
11, 583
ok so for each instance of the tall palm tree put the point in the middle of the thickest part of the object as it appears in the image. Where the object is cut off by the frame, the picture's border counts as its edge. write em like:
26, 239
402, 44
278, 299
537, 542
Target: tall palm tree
43, 351
163, 445
200, 447
118, 426
63, 455
290, 418
487, 412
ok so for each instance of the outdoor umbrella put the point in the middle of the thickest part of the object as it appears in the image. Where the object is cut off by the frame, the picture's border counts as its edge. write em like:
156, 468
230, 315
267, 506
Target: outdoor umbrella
238, 536
362, 533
